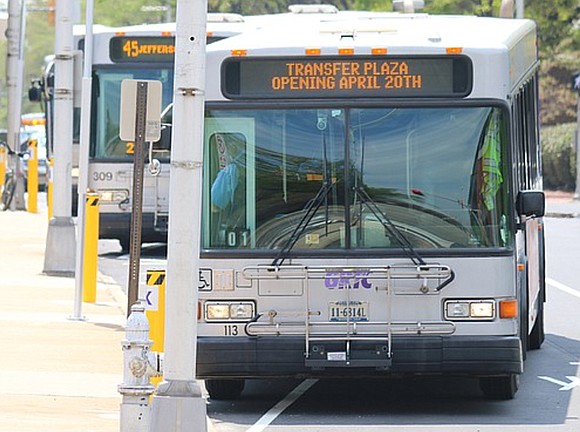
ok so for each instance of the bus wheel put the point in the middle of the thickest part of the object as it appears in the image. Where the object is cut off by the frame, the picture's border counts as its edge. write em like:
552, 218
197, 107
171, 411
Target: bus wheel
224, 389
500, 387
537, 335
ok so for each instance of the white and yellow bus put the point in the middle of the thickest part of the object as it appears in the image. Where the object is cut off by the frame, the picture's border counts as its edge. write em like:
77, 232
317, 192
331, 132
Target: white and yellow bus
372, 202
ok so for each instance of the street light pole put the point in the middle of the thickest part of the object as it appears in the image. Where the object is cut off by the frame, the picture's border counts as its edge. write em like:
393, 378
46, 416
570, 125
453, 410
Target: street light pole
520, 9
178, 404
577, 141
85, 136
14, 73
59, 257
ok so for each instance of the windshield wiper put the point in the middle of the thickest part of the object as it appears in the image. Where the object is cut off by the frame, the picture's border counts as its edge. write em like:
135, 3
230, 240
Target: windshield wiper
403, 241
310, 210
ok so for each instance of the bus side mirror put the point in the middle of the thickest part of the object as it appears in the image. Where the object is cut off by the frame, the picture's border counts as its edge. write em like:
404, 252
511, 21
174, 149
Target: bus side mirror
34, 94
531, 203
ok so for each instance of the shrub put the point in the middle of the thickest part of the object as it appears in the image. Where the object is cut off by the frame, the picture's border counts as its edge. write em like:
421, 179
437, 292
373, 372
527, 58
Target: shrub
559, 156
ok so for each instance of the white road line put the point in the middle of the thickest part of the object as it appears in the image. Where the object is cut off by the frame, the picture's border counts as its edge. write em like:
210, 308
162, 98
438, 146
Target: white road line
563, 287
279, 408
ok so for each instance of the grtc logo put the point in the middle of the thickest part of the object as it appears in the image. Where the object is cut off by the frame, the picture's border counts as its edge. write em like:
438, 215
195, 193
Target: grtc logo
347, 280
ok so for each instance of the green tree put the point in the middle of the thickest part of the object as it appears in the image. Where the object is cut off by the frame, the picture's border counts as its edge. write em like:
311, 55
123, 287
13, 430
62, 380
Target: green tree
555, 19
373, 5
39, 42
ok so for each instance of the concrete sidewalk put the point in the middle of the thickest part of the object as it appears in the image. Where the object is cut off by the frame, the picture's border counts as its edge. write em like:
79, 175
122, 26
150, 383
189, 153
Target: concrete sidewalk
55, 374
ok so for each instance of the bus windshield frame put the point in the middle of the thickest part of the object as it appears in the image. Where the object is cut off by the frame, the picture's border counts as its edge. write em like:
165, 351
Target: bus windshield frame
105, 142
454, 196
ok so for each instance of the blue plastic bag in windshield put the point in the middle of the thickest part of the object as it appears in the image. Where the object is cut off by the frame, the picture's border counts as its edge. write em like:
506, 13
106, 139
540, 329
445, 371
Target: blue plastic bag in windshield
224, 186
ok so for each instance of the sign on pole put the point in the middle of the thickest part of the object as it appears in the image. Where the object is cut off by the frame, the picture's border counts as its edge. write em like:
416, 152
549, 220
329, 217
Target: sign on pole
140, 122
129, 110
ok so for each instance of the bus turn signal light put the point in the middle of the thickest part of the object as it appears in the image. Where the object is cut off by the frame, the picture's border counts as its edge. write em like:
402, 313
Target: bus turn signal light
454, 50
379, 51
346, 51
508, 308
312, 51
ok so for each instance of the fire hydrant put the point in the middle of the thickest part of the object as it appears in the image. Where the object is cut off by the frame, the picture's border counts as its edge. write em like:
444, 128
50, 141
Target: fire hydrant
138, 367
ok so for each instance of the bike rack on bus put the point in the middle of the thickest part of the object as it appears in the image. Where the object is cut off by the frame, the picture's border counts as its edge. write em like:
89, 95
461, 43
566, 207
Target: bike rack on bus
430, 278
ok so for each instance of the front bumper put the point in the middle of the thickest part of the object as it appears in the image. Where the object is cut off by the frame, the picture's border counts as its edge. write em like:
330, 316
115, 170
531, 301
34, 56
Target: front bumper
219, 357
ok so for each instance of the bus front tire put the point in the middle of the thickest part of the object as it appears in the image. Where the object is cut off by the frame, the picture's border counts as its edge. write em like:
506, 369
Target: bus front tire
500, 387
224, 389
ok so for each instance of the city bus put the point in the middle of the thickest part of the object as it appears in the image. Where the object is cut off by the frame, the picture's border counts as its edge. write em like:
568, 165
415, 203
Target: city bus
372, 202
140, 52
134, 52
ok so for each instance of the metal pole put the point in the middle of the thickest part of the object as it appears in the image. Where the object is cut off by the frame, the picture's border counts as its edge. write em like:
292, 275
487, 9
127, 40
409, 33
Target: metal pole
12, 35
59, 257
168, 14
137, 196
19, 202
577, 136
178, 404
13, 78
506, 9
520, 9
83, 179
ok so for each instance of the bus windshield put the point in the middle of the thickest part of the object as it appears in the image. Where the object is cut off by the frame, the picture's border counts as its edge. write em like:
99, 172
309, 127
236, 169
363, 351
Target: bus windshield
439, 175
106, 143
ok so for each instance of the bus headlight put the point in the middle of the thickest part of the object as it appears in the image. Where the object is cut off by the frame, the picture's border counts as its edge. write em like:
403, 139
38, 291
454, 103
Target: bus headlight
112, 196
483, 309
456, 310
469, 309
229, 310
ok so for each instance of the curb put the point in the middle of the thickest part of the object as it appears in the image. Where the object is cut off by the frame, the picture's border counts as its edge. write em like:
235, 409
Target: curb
562, 215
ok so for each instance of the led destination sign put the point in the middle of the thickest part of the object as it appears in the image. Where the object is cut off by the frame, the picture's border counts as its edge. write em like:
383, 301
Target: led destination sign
142, 49
416, 76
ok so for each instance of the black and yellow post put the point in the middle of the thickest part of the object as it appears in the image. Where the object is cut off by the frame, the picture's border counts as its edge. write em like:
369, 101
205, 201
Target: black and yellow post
91, 249
32, 183
49, 188
2, 164
155, 312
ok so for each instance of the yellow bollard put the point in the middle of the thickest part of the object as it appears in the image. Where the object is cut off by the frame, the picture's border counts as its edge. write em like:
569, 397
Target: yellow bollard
2, 164
155, 312
33, 176
91, 249
49, 188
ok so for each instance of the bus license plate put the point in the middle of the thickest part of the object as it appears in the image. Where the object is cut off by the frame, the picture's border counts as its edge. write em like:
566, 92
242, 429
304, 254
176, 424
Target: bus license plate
353, 311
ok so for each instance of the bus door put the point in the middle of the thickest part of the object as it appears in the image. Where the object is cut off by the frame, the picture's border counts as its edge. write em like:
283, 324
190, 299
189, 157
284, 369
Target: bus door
533, 265
230, 182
